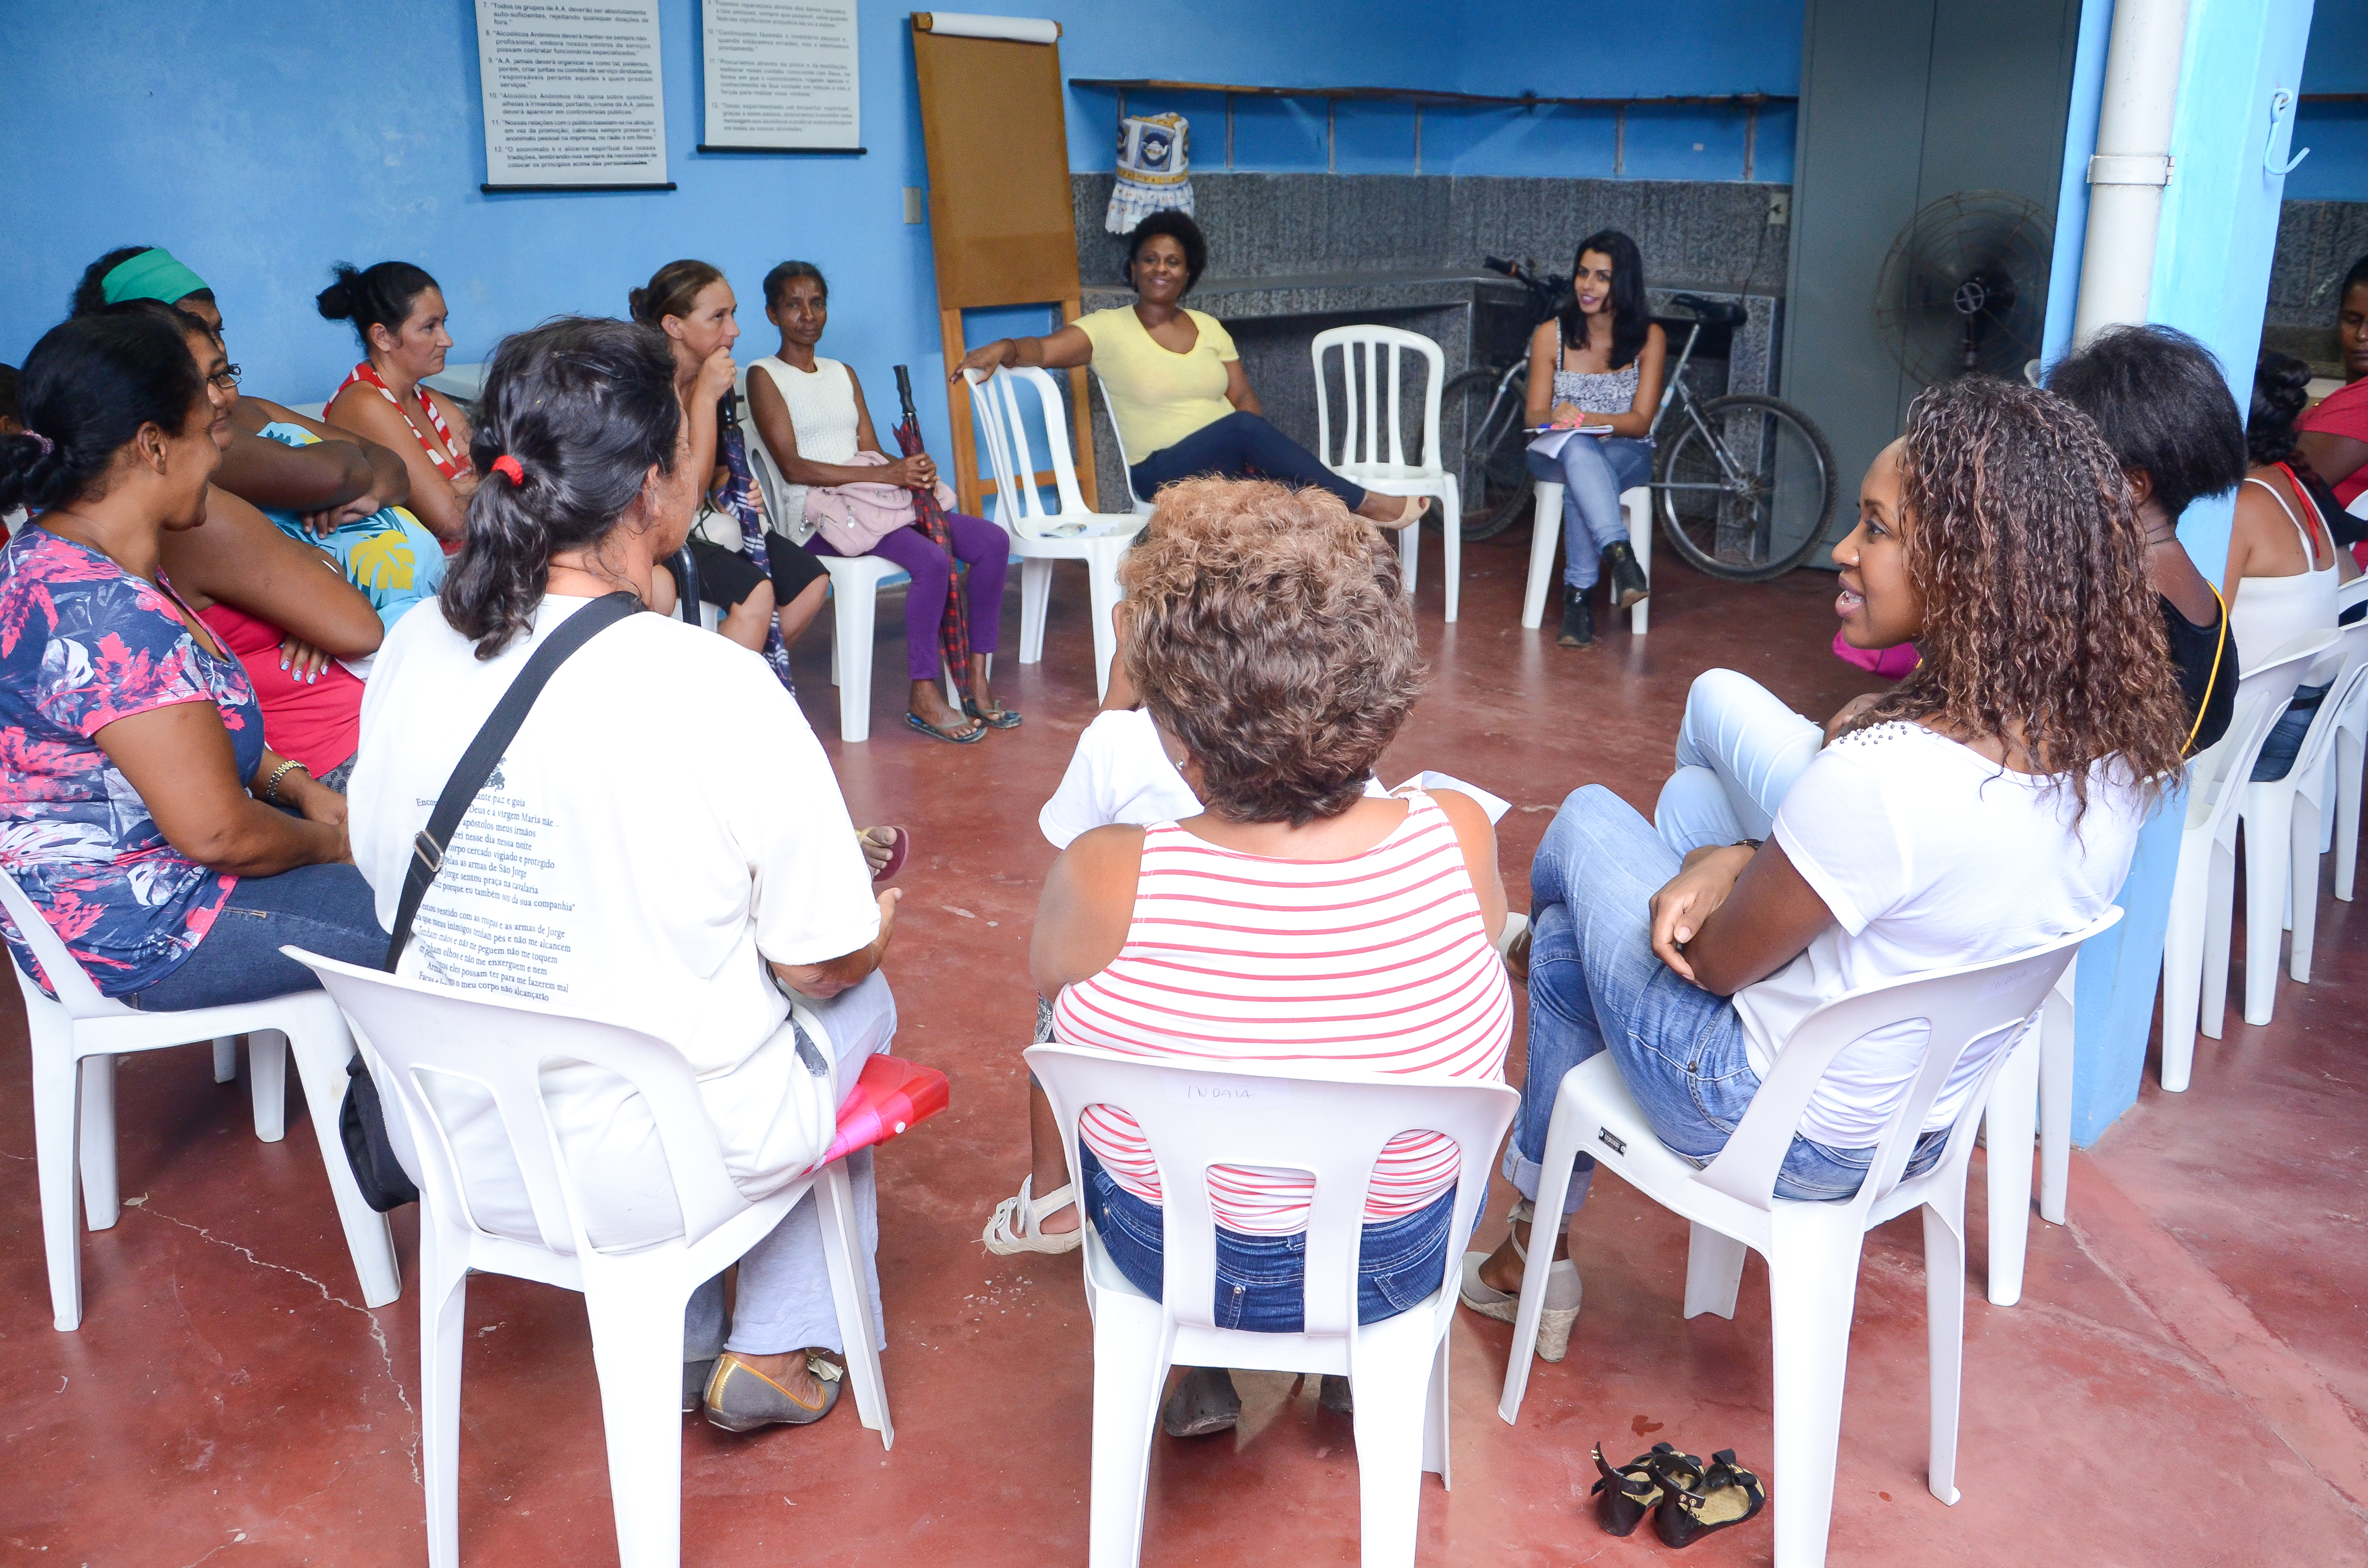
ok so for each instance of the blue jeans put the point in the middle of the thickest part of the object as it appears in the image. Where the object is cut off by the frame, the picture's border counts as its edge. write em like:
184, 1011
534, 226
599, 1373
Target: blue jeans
1262, 1280
1592, 472
1594, 982
327, 910
2278, 753
1240, 445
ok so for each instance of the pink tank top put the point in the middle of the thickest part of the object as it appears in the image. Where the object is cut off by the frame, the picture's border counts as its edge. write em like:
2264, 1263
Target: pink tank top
1376, 966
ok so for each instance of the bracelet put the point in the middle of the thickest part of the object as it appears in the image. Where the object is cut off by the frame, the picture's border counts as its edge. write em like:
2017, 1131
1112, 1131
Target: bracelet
271, 785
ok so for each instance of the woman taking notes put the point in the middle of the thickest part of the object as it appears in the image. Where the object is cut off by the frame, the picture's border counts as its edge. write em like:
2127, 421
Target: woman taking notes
1177, 388
1595, 373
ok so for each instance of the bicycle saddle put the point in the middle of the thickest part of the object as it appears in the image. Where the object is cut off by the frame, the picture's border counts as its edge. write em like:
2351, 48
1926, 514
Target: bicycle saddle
1724, 311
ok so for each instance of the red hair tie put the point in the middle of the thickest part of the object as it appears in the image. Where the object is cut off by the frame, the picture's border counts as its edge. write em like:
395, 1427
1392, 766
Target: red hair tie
507, 467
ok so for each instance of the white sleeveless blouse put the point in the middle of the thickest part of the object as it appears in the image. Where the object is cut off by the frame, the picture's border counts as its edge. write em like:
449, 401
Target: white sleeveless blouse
821, 411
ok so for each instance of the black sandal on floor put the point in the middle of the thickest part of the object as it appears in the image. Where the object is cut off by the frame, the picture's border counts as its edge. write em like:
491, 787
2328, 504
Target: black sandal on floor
1725, 1496
1624, 1495
1000, 719
952, 736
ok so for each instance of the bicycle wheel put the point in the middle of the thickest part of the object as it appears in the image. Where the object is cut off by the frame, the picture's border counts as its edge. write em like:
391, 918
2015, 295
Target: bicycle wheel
1484, 453
1744, 487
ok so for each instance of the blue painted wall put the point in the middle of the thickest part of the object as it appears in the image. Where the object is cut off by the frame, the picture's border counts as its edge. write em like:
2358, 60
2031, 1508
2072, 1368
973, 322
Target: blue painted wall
2337, 134
266, 140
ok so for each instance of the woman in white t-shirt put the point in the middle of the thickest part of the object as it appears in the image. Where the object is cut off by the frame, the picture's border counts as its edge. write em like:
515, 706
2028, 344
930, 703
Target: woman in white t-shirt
1988, 803
598, 874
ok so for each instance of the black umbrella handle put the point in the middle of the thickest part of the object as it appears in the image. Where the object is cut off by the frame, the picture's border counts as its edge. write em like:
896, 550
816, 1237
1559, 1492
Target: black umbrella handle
905, 394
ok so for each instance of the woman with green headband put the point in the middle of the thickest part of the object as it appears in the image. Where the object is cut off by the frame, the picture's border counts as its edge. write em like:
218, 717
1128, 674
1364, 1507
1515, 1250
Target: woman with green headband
338, 479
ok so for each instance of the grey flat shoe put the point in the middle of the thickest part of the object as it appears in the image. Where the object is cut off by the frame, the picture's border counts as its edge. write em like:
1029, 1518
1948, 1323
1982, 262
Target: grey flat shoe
1204, 1405
741, 1399
694, 1383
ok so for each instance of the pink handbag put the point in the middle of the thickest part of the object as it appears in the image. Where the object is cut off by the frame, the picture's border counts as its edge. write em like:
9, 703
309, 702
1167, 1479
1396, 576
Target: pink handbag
855, 517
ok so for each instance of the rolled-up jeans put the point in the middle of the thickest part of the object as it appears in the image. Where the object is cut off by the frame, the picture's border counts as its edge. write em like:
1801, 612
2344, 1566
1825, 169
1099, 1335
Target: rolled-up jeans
1592, 472
1739, 748
1595, 983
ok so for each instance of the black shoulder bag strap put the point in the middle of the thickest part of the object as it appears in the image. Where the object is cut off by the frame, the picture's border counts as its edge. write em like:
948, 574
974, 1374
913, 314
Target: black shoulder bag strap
485, 753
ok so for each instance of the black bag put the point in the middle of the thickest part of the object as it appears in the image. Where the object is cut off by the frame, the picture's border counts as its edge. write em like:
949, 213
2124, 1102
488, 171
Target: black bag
361, 1122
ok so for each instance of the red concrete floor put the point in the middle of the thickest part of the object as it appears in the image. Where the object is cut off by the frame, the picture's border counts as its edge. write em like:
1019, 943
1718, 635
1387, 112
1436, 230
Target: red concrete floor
2184, 1381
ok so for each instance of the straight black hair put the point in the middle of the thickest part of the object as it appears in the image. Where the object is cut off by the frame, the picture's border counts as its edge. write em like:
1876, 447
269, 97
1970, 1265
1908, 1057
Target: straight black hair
1630, 319
2281, 389
2356, 277
587, 407
89, 385
2162, 405
776, 282
90, 294
382, 296
1179, 227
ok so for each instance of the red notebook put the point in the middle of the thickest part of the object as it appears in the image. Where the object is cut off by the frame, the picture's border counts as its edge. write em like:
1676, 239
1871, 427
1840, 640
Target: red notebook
892, 1096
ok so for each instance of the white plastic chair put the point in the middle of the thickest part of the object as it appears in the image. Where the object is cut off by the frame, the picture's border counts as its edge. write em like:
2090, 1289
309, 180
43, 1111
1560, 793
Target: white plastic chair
1126, 467
1359, 457
2275, 872
2350, 753
2306, 801
76, 1037
1070, 532
1194, 1118
856, 584
635, 1298
2195, 946
1812, 1249
1545, 536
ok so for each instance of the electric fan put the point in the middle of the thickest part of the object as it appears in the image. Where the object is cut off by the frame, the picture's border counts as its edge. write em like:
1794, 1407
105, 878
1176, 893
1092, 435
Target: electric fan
1964, 290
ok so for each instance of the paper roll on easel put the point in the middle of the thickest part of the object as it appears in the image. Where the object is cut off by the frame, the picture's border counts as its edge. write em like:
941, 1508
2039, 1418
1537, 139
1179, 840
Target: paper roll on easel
968, 24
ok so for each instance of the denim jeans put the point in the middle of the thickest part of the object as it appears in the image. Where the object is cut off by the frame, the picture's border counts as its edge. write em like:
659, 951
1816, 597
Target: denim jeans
1592, 472
1240, 445
1739, 748
328, 910
2278, 753
1595, 982
1262, 1280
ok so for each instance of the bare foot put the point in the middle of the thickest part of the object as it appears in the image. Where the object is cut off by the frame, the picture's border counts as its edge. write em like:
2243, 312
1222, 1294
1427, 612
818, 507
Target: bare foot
929, 702
1502, 1270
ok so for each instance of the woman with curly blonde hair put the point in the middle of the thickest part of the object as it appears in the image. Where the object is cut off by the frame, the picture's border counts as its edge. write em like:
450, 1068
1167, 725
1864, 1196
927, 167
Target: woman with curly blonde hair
1271, 641
1989, 803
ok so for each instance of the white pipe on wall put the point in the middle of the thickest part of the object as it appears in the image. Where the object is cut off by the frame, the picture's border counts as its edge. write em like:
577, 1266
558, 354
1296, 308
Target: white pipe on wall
2131, 163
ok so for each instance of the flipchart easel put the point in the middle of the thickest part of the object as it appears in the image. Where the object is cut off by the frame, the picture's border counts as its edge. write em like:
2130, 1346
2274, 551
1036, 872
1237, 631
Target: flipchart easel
1001, 219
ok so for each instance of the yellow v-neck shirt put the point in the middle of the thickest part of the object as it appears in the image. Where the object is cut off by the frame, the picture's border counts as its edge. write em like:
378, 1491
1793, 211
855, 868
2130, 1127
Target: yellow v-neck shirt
1157, 395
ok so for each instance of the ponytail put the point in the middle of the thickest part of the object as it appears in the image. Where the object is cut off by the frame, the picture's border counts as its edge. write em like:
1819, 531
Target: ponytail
573, 416
382, 296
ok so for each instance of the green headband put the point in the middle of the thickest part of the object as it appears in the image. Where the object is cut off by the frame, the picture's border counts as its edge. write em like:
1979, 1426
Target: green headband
151, 275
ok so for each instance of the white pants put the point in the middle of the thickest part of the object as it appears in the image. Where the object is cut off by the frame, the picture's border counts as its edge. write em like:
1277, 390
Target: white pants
784, 1302
1738, 751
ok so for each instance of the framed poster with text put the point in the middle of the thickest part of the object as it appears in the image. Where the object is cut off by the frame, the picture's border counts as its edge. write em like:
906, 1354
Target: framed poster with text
780, 77
573, 97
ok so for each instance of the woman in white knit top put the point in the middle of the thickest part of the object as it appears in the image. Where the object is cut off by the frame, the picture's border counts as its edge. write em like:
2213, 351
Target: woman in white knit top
811, 413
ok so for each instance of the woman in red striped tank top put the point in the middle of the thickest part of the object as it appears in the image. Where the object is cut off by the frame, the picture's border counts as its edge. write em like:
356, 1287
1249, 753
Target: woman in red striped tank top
1295, 921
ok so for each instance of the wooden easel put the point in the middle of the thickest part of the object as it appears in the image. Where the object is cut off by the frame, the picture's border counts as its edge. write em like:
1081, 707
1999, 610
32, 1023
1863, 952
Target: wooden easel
1001, 218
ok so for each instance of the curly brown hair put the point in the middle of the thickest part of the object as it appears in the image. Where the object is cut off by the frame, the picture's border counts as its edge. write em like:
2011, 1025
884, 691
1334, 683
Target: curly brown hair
2039, 623
1268, 630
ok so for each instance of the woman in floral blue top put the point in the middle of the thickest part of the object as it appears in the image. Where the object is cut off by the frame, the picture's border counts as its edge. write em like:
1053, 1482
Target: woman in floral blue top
137, 798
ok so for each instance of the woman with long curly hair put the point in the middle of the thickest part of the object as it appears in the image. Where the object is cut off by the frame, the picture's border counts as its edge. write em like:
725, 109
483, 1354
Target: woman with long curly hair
1988, 803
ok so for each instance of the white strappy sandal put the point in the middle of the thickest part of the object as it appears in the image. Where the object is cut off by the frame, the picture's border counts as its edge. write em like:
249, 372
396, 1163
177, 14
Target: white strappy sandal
1018, 1224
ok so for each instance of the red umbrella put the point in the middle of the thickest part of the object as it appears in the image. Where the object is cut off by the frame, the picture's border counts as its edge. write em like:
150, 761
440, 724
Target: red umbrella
953, 626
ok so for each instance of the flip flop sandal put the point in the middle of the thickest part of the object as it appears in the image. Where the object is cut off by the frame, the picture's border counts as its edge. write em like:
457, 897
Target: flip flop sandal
1624, 1495
1725, 1495
1015, 1227
1204, 1405
899, 843
741, 1399
955, 737
1001, 719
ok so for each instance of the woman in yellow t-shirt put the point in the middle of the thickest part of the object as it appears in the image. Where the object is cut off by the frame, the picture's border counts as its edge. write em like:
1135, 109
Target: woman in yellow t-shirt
1176, 390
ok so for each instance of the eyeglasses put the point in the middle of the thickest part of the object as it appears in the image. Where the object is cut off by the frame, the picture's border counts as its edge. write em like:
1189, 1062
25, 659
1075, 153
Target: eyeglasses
227, 378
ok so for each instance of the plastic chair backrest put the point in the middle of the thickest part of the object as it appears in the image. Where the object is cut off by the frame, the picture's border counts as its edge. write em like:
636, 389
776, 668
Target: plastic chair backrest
1973, 1006
2349, 594
68, 980
417, 1028
1003, 430
1125, 463
1196, 1117
2217, 778
1366, 398
769, 482
2343, 694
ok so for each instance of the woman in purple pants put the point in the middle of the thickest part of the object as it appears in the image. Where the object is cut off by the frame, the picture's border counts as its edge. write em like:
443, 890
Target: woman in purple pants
811, 413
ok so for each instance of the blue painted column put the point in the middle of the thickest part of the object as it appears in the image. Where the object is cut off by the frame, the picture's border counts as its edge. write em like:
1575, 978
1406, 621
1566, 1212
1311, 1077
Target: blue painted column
2211, 278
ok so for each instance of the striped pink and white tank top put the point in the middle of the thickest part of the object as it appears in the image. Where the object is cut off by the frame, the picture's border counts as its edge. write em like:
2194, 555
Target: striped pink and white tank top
1376, 966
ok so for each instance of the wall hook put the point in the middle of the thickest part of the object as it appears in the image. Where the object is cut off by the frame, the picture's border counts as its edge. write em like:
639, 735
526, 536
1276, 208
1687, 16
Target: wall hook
2282, 120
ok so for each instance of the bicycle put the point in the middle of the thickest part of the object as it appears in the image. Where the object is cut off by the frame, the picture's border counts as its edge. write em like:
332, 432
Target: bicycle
1718, 482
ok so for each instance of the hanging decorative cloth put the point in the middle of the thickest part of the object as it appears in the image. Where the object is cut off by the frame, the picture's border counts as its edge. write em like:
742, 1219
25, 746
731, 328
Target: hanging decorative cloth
1153, 174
